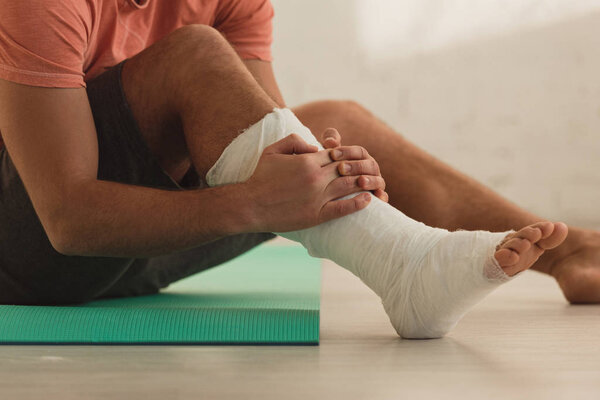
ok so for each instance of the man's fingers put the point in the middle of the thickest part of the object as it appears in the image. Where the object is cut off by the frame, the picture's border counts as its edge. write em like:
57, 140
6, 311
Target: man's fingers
361, 167
346, 185
340, 208
292, 144
323, 159
381, 195
331, 138
366, 182
349, 153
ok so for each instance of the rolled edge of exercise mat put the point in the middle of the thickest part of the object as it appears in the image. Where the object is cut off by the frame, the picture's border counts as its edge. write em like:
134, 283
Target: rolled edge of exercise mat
72, 325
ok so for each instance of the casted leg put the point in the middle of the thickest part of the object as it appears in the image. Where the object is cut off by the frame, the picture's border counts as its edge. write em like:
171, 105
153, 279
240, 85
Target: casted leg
430, 191
191, 96
427, 278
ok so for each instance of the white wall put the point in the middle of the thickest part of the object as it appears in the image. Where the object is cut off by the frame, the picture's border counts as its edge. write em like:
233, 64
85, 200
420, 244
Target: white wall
506, 91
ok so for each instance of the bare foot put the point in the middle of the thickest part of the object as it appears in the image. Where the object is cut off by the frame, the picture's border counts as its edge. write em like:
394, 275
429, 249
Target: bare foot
520, 250
576, 266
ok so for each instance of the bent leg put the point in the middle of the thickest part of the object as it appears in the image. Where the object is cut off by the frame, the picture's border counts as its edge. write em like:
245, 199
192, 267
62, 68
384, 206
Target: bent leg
430, 191
191, 96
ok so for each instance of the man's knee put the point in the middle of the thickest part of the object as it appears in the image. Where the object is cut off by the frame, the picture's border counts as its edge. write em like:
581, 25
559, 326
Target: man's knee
339, 114
346, 107
191, 42
335, 108
187, 51
341, 110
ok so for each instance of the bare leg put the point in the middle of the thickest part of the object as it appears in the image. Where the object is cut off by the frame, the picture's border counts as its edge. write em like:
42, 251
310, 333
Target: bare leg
430, 191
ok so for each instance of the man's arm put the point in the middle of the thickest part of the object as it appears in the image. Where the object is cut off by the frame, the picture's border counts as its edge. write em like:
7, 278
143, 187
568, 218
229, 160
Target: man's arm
51, 138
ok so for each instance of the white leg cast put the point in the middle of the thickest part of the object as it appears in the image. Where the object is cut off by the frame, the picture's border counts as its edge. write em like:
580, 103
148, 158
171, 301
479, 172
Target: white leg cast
427, 278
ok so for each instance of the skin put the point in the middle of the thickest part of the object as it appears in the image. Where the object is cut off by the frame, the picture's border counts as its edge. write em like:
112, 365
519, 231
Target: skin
187, 120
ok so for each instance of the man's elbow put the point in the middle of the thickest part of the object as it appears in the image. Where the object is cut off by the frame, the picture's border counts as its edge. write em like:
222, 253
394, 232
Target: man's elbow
64, 233
64, 216
63, 239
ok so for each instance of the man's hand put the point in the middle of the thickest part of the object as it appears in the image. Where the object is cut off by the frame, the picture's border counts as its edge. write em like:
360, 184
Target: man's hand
295, 186
332, 140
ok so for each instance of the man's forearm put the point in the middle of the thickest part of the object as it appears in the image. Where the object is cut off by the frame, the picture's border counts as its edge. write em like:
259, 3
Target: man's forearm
110, 219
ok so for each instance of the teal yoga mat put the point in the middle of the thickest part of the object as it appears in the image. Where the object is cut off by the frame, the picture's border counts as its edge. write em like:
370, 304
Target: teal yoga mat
270, 295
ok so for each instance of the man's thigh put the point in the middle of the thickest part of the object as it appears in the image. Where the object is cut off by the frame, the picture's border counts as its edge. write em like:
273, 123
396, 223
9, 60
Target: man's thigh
32, 272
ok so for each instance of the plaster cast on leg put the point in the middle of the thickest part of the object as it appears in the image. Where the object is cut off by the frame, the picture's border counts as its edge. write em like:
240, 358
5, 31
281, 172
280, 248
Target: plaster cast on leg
427, 278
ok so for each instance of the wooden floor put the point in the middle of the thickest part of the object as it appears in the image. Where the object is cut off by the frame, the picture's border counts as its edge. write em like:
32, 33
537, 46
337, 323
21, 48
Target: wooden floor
524, 341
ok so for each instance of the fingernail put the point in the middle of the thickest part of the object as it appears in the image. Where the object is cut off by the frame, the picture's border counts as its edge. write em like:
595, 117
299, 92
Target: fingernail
366, 181
337, 153
345, 168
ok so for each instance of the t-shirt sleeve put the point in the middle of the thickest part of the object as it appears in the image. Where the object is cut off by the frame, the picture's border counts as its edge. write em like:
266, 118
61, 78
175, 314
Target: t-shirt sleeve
248, 26
43, 42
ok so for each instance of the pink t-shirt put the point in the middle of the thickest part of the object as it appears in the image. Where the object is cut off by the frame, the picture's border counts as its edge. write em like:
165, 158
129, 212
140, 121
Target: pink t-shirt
64, 43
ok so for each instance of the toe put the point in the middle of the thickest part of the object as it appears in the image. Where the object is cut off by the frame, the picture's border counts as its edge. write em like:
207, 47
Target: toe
522, 249
557, 235
517, 245
545, 227
506, 257
532, 233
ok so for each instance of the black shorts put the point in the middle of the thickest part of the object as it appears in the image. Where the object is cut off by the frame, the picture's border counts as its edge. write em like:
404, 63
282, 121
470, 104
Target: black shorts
32, 272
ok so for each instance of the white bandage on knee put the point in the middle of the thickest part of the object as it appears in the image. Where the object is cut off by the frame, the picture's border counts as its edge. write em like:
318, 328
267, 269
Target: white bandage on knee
427, 278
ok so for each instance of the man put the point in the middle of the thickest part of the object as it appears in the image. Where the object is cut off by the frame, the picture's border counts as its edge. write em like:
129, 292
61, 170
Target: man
92, 205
